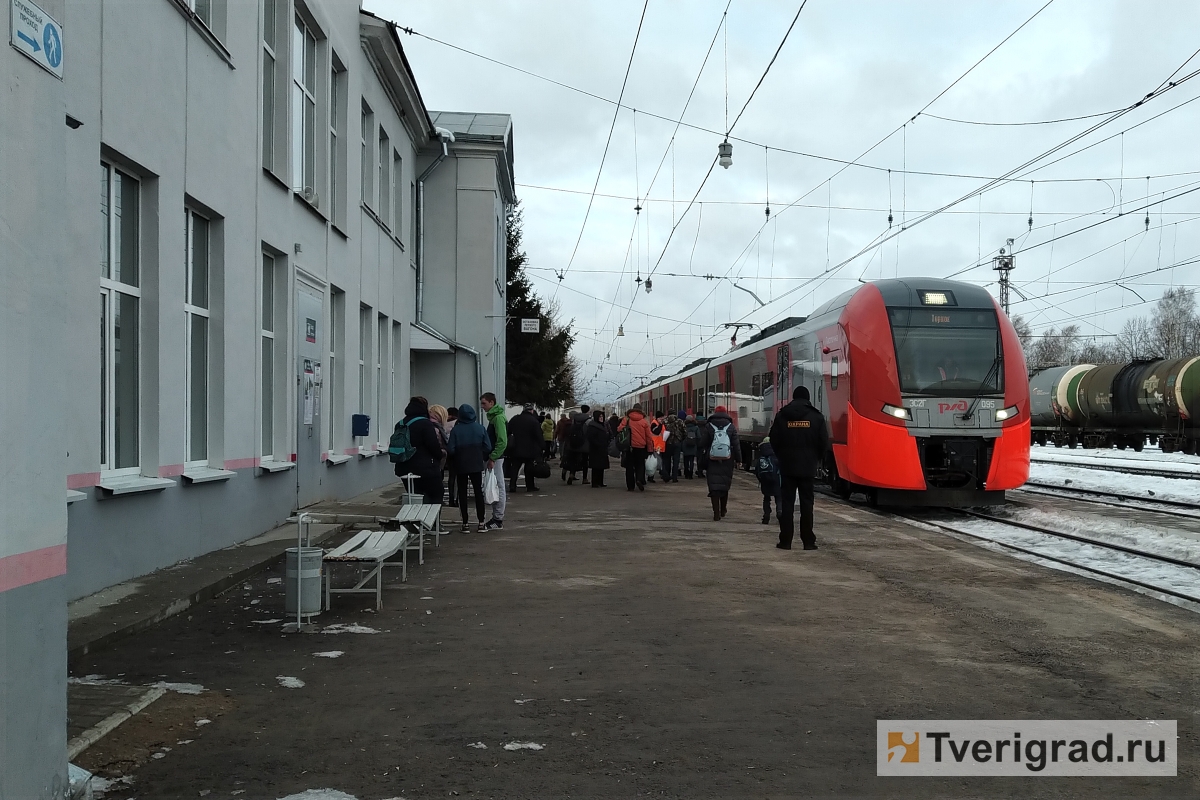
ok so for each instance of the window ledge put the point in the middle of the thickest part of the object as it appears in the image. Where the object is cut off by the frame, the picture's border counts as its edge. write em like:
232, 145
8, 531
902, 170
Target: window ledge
275, 179
333, 460
314, 209
338, 230
133, 484
74, 496
207, 474
275, 466
364, 452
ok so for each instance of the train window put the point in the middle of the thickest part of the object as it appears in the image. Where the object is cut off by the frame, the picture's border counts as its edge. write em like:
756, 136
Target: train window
833, 373
948, 352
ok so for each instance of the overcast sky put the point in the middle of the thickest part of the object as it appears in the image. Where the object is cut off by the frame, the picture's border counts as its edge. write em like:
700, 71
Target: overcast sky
849, 74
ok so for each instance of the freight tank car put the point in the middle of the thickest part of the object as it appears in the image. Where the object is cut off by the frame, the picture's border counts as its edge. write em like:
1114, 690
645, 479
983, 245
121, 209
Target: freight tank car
922, 382
1118, 405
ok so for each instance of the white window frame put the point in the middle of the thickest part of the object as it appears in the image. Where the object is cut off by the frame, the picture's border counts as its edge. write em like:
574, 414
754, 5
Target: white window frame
109, 290
270, 93
304, 103
334, 162
337, 329
267, 372
367, 170
382, 327
397, 195
385, 178
395, 354
364, 338
192, 311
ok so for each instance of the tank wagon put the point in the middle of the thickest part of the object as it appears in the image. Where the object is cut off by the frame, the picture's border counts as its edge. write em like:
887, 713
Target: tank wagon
1121, 405
922, 383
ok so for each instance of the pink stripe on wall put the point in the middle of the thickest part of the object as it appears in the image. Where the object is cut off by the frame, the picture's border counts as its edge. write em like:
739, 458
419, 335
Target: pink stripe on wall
36, 565
170, 470
242, 463
82, 480
351, 451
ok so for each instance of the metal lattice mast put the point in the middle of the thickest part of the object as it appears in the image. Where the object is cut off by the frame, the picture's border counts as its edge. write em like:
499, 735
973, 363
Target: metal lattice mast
1003, 264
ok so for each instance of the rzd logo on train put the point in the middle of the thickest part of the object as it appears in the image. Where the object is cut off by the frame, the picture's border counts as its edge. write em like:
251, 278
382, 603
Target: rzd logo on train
961, 405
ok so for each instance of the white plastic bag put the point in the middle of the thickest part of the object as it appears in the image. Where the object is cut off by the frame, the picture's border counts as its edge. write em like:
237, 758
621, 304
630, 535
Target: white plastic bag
491, 489
651, 464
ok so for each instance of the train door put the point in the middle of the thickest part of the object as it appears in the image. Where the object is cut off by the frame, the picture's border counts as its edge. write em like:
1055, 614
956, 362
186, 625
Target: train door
837, 377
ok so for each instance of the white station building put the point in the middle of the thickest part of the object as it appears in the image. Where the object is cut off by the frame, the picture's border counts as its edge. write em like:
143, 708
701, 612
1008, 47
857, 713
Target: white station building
230, 228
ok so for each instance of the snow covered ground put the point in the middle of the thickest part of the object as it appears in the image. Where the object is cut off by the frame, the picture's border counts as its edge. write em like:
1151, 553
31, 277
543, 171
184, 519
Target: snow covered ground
1148, 486
1149, 454
1157, 539
1116, 463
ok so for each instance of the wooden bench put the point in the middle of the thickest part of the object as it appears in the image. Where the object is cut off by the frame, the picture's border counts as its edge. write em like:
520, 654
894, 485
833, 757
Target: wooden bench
369, 550
421, 519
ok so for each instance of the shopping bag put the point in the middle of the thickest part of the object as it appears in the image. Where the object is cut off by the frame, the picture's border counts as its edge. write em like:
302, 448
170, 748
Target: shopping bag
541, 470
651, 464
491, 489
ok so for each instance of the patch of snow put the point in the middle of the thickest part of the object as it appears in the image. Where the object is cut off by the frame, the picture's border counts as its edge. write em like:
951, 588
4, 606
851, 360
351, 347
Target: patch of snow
1148, 486
255, 602
426, 598
180, 688
96, 680
320, 794
185, 741
330, 654
272, 581
351, 627
201, 722
101, 786
523, 702
427, 611
524, 746
265, 621
478, 745
288, 682
159, 755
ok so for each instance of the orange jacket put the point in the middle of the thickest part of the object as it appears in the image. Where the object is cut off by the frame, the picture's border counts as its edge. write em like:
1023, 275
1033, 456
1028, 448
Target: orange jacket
640, 436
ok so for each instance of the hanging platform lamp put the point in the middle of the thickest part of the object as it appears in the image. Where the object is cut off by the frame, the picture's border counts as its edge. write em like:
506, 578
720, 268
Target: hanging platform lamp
725, 154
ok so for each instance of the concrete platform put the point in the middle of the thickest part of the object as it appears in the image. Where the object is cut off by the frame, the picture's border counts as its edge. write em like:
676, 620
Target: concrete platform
651, 651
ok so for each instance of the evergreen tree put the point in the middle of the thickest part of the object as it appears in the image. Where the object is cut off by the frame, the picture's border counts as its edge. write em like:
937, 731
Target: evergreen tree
539, 369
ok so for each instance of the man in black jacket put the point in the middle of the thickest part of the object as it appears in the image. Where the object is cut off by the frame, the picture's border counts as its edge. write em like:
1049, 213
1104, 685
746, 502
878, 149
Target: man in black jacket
426, 463
524, 448
801, 441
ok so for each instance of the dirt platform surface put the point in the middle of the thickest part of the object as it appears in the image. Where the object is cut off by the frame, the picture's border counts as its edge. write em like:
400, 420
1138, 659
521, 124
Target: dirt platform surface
616, 644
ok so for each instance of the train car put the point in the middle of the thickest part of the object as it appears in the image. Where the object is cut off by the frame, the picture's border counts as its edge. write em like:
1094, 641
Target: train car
1118, 405
922, 382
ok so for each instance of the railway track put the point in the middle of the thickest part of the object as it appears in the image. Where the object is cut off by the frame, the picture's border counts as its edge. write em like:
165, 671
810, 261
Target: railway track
1125, 467
1173, 508
1080, 564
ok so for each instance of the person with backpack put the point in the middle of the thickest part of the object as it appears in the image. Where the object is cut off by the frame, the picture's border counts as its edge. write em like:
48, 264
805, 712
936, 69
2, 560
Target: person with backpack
691, 438
674, 434
575, 456
597, 442
636, 441
469, 447
801, 442
416, 449
719, 443
701, 458
766, 469
497, 431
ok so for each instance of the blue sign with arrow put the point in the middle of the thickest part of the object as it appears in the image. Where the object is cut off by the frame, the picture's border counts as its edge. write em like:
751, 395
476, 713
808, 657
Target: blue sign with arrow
36, 34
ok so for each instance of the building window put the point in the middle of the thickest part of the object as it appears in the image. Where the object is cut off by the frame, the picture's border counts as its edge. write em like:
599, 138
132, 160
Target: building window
203, 9
271, 105
337, 121
196, 314
380, 384
412, 215
120, 296
397, 351
368, 169
397, 194
304, 107
364, 349
385, 177
267, 376
337, 330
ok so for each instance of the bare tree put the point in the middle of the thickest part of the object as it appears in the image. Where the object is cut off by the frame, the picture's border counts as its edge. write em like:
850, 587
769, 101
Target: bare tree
1024, 334
1055, 348
1136, 340
1175, 323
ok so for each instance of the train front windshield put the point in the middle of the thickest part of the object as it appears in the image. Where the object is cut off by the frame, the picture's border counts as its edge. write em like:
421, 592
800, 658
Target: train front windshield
948, 352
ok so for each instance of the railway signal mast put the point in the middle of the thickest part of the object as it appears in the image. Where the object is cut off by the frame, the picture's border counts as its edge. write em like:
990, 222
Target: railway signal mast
1004, 264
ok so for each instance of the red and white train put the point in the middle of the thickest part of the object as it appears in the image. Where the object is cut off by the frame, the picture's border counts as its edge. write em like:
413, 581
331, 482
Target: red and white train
922, 382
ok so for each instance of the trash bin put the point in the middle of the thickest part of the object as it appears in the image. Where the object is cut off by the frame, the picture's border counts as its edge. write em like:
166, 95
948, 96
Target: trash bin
307, 579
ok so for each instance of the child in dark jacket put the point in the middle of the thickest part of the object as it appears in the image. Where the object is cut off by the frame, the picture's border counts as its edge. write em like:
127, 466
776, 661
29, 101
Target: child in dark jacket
766, 469
468, 449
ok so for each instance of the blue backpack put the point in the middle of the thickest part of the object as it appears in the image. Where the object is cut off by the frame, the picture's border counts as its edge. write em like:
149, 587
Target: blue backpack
721, 448
400, 446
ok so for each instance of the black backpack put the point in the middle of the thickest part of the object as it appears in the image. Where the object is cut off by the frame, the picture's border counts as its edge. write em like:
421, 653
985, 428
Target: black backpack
578, 438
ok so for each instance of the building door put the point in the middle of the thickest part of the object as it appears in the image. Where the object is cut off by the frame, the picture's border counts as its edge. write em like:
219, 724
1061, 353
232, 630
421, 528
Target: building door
309, 342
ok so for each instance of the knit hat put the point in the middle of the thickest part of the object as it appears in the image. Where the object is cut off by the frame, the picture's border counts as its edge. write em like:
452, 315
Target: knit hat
720, 410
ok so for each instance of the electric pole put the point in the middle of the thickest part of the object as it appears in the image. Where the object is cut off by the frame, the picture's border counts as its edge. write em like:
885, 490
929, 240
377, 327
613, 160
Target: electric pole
1004, 264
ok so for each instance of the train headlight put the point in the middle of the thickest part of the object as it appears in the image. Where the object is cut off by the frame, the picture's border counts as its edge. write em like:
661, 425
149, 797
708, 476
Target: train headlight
898, 413
1006, 413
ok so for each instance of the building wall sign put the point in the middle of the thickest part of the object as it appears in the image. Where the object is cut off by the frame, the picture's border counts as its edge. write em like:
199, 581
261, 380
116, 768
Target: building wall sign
37, 35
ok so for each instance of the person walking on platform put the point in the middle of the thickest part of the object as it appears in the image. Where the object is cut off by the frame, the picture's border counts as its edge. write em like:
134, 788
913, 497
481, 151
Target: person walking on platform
597, 441
614, 425
657, 426
691, 437
766, 469
575, 455
801, 441
524, 446
547, 437
561, 429
636, 443
497, 431
719, 443
674, 434
701, 456
451, 478
469, 447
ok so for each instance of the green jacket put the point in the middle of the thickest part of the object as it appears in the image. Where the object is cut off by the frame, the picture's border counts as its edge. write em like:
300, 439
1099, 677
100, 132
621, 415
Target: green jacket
498, 431
548, 429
